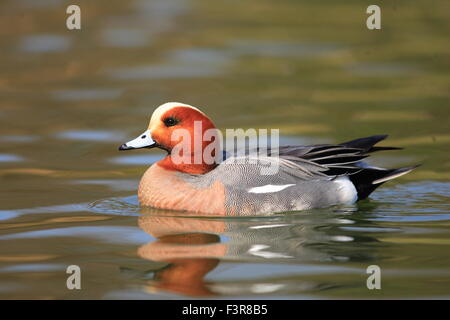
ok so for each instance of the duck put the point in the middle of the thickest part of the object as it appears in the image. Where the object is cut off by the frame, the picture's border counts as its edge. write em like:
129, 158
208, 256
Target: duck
227, 183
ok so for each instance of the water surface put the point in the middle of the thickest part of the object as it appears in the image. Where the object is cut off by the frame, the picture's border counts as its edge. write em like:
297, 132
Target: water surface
69, 98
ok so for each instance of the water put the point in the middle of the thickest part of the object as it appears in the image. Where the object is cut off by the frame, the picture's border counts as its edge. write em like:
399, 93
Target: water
70, 98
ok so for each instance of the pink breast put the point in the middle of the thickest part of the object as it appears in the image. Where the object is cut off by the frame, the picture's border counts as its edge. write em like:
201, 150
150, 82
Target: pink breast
163, 189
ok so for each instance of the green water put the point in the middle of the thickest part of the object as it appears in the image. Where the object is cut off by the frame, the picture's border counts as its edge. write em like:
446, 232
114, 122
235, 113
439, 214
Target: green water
310, 68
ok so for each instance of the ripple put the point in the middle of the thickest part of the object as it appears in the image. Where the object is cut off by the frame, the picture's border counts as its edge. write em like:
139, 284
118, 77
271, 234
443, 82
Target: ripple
117, 206
283, 49
91, 135
183, 63
125, 38
109, 234
128, 206
381, 69
74, 207
140, 159
413, 202
268, 270
33, 267
203, 56
116, 185
370, 229
423, 192
6, 157
87, 94
44, 43
40, 3
19, 139
169, 71
9, 214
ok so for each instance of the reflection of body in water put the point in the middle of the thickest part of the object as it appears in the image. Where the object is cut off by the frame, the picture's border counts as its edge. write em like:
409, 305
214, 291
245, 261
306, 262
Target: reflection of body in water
194, 246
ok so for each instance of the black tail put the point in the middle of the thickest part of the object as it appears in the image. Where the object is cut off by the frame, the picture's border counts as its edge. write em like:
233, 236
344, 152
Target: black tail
367, 144
369, 178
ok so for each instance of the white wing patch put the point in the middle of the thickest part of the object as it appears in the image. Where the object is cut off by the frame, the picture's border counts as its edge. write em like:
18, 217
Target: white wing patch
269, 188
270, 226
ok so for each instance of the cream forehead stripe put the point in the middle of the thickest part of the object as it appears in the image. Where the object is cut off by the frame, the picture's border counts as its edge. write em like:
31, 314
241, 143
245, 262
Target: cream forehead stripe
156, 116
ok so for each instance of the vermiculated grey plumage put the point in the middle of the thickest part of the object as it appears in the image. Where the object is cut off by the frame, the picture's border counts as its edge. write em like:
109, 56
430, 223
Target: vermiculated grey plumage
310, 174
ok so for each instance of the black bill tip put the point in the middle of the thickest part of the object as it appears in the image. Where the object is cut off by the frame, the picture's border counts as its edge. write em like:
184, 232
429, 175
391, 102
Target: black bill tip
124, 147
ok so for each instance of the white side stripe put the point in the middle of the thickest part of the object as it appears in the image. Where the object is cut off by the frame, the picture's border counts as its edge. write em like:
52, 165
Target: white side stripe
269, 188
391, 177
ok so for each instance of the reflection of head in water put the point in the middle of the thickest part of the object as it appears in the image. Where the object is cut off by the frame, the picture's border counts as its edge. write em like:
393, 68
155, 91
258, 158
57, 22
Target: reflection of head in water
185, 273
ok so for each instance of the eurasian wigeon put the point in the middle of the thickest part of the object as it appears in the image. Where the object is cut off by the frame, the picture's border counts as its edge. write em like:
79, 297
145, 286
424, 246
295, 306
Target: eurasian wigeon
312, 176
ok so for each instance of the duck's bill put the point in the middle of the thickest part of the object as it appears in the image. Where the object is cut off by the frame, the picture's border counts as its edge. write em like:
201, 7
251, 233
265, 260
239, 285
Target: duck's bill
143, 141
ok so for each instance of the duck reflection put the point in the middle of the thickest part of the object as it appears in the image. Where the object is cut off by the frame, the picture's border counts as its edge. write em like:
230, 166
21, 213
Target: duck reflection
193, 246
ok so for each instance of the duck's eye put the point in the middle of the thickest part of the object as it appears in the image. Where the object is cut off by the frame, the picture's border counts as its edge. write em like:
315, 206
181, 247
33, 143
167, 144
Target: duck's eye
170, 122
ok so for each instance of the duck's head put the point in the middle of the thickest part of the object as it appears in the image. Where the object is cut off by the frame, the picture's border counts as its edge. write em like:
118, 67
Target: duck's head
177, 128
